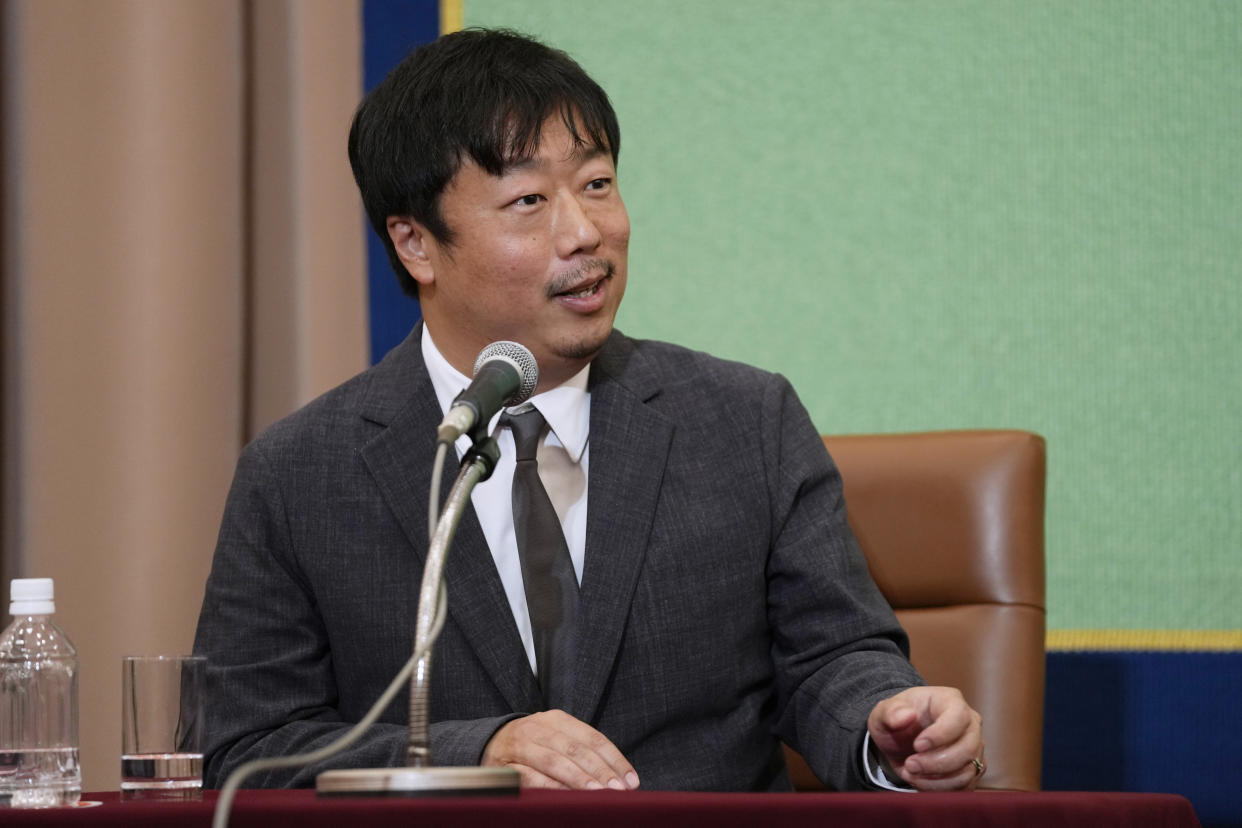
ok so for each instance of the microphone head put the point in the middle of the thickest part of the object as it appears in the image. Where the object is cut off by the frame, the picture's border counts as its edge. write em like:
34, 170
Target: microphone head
522, 360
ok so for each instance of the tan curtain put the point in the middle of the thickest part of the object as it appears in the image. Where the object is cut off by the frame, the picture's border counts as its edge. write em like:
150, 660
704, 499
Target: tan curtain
182, 265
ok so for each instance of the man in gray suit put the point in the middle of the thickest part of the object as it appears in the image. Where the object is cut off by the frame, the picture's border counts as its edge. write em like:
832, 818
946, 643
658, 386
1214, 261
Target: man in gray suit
722, 602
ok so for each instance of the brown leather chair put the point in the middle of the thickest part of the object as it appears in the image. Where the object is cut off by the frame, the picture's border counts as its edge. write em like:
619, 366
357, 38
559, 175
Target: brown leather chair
952, 524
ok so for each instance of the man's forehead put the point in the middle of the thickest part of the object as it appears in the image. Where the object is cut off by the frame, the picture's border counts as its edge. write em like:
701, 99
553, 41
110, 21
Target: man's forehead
526, 139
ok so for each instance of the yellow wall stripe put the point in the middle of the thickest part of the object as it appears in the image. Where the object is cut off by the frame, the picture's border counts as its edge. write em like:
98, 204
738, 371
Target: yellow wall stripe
452, 15
1177, 640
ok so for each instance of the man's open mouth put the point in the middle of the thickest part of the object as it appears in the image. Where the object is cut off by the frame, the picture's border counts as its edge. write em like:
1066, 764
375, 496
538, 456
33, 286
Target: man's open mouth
575, 288
585, 290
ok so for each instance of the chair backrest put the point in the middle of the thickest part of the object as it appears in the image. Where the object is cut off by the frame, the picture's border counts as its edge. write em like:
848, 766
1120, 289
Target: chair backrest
952, 525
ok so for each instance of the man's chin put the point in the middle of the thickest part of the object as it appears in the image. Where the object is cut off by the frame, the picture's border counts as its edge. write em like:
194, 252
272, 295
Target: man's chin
583, 349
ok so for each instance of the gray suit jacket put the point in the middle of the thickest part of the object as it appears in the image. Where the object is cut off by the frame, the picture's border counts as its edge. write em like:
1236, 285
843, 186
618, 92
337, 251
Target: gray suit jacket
724, 600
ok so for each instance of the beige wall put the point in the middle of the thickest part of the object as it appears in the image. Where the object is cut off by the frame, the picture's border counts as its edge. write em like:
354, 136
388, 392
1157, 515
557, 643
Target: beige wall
183, 263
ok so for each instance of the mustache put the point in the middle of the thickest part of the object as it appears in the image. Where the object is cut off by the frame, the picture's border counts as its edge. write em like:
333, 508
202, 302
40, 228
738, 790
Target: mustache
575, 277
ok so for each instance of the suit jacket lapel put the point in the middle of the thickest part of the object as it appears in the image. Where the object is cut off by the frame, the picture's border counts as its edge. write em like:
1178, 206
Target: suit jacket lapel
400, 458
629, 444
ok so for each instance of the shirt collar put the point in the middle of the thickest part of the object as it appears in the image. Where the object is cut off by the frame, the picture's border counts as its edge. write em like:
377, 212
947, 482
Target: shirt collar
567, 407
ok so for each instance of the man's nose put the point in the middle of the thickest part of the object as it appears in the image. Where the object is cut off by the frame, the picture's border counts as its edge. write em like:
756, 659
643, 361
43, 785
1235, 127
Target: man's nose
576, 230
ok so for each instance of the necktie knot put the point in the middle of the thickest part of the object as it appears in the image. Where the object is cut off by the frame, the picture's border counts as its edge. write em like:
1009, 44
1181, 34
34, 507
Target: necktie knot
527, 428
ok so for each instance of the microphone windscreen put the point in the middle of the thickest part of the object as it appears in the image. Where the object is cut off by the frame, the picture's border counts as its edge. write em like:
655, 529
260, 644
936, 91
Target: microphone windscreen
523, 362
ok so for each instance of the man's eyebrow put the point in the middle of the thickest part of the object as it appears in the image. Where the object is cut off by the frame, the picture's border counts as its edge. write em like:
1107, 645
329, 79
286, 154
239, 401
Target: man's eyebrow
582, 152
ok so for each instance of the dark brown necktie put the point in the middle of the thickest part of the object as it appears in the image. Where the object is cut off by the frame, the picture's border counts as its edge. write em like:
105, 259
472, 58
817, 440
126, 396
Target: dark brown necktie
547, 570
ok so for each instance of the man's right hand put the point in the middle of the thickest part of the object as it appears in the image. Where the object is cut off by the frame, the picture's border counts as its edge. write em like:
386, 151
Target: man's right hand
555, 750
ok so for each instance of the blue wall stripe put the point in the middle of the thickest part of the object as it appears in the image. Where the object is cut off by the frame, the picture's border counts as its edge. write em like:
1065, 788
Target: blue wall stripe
390, 29
1165, 722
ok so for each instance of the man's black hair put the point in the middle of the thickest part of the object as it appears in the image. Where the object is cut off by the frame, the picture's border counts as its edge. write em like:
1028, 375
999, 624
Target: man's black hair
477, 93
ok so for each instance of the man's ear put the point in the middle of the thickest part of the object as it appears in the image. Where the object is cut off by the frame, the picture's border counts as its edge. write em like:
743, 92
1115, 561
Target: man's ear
413, 244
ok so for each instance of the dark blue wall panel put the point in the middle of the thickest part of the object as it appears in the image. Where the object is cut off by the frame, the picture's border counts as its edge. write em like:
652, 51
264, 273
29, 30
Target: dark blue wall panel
390, 29
1148, 721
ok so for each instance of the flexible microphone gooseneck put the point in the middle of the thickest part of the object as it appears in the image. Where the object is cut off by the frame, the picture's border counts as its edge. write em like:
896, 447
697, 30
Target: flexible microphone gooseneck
505, 374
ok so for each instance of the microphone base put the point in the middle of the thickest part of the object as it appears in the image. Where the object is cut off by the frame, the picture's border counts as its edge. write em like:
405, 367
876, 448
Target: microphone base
418, 782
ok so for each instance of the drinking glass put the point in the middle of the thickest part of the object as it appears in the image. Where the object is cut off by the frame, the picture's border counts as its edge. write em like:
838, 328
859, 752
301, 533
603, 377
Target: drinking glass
162, 727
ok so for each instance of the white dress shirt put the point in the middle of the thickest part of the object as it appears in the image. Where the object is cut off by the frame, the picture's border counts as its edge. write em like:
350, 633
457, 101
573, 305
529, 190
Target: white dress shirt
563, 457
563, 462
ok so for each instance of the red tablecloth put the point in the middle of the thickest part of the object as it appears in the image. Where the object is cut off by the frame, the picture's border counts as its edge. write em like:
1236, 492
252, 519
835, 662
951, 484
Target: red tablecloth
542, 809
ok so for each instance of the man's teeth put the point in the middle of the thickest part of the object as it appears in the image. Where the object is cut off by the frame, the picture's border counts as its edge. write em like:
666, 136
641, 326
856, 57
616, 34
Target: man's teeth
586, 291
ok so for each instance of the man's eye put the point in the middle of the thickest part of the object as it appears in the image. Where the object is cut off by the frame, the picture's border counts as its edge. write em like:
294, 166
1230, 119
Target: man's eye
599, 183
528, 200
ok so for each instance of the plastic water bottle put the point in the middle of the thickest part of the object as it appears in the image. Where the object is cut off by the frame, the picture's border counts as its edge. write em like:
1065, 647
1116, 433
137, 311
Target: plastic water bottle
38, 704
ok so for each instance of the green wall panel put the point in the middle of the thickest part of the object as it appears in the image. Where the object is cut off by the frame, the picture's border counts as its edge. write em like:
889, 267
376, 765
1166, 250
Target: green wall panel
954, 215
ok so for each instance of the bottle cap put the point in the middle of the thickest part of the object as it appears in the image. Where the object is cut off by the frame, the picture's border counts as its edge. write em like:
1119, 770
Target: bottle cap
31, 596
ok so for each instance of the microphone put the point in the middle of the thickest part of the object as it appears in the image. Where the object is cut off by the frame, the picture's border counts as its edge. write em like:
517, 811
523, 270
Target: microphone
505, 373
